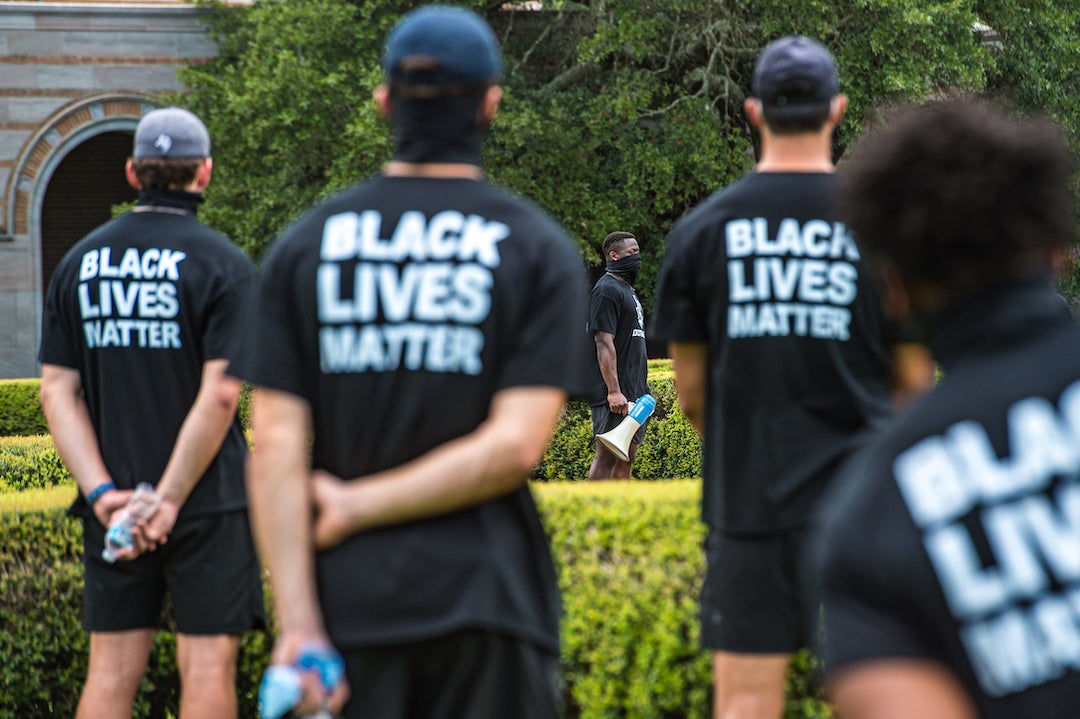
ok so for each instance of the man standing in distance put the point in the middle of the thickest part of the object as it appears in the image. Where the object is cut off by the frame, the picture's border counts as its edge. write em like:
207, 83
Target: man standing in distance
775, 332
142, 319
617, 326
949, 561
423, 329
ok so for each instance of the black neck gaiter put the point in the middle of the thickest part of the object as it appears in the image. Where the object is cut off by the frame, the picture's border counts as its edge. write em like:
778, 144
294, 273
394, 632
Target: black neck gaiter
626, 267
175, 199
439, 130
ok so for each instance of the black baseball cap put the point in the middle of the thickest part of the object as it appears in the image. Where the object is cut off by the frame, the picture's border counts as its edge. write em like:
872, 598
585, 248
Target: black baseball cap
171, 132
442, 45
795, 70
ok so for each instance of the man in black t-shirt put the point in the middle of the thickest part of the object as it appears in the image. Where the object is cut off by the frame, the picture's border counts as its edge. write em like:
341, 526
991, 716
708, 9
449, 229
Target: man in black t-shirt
141, 320
423, 329
617, 326
951, 554
776, 337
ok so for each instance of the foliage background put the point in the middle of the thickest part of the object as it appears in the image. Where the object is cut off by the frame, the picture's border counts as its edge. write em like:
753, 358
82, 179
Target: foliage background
618, 114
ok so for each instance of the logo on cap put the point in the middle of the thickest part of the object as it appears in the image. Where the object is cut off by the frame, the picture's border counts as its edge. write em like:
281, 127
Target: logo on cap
163, 143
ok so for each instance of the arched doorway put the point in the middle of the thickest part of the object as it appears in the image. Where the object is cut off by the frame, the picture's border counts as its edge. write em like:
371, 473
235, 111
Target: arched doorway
81, 193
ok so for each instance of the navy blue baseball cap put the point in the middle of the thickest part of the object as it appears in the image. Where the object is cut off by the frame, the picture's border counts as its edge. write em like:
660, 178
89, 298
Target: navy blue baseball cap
795, 70
441, 45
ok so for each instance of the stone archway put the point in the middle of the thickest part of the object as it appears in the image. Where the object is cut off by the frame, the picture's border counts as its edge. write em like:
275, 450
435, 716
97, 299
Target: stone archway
95, 122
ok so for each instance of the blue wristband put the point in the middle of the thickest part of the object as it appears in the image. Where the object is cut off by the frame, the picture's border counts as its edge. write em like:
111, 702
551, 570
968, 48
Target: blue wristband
99, 490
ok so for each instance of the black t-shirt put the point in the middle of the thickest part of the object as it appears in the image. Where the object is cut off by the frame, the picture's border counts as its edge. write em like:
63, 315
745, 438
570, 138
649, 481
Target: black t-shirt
138, 306
397, 310
955, 537
767, 278
614, 308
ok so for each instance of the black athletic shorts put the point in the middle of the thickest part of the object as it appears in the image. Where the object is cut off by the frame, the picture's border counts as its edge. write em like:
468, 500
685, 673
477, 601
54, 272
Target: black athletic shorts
208, 569
472, 674
758, 597
604, 420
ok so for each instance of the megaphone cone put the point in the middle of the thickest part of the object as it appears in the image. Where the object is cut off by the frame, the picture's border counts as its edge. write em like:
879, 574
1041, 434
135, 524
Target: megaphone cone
618, 440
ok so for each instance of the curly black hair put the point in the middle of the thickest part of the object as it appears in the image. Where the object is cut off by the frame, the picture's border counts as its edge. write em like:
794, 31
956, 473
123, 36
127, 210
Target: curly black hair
960, 194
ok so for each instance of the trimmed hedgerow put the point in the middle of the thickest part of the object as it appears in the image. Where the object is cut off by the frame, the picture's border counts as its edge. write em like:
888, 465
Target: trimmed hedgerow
630, 564
20, 408
671, 448
29, 463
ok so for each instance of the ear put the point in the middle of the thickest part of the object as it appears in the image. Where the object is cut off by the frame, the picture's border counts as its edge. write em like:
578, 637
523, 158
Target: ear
129, 173
752, 107
837, 108
490, 105
202, 175
381, 95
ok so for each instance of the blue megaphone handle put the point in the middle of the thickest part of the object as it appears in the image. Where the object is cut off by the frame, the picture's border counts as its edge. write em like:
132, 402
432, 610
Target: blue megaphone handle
643, 407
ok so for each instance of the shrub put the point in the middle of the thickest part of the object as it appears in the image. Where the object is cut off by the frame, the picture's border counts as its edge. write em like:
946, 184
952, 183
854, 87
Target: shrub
671, 448
20, 408
30, 462
43, 644
630, 564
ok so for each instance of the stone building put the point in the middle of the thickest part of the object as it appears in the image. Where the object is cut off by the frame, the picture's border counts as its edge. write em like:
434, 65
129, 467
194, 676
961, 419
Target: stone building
74, 79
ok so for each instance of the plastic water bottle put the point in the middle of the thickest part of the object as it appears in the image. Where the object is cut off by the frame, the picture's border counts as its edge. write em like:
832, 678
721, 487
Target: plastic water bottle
139, 507
281, 690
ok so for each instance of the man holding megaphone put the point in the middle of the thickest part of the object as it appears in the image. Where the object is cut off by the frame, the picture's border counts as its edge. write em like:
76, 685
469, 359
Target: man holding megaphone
617, 325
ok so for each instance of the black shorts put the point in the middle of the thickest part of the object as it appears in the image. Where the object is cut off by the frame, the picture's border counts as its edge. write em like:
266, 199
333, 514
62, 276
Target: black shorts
475, 673
604, 420
208, 569
758, 597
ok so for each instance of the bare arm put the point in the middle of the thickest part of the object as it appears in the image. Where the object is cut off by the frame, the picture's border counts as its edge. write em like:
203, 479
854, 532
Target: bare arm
196, 445
690, 362
900, 689
491, 461
202, 432
73, 433
279, 496
608, 359
280, 505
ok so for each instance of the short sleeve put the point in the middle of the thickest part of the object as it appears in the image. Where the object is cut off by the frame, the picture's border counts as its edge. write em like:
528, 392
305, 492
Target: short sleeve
273, 355
57, 331
230, 313
677, 316
550, 347
603, 310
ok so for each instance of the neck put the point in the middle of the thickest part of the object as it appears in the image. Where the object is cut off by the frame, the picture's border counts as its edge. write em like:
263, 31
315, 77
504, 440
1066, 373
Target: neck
620, 279
438, 170
796, 153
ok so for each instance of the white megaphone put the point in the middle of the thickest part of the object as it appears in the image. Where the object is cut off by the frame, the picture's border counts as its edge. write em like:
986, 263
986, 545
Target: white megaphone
618, 440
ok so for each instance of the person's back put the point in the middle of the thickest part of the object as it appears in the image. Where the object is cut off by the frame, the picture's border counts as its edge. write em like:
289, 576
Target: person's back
950, 553
141, 295
142, 319
420, 300
424, 328
777, 338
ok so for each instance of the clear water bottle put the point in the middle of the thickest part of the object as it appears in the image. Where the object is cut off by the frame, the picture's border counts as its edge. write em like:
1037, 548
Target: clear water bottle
143, 502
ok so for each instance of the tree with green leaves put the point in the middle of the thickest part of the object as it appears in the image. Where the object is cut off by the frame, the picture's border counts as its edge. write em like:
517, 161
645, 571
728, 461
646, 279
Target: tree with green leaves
619, 114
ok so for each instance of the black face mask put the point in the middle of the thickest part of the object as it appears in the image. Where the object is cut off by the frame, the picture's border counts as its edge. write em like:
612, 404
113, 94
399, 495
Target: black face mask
438, 130
626, 267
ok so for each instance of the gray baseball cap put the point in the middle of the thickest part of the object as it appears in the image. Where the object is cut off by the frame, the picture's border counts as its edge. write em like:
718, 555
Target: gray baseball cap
171, 132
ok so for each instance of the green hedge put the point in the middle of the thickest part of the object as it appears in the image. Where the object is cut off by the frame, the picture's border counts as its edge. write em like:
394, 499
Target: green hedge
630, 563
29, 463
671, 448
20, 408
